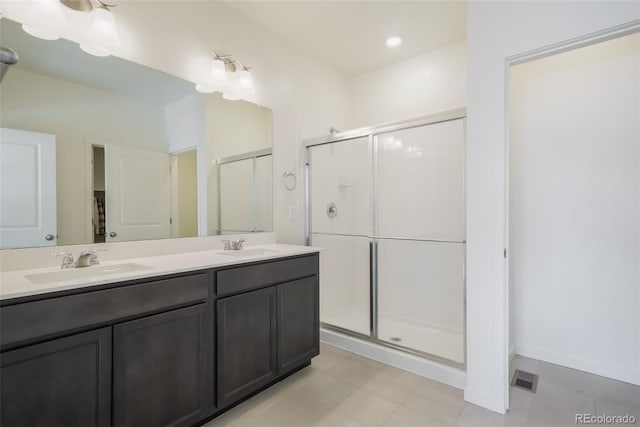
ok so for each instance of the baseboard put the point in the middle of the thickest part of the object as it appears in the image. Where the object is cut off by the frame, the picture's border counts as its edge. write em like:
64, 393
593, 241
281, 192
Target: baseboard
512, 352
590, 366
426, 368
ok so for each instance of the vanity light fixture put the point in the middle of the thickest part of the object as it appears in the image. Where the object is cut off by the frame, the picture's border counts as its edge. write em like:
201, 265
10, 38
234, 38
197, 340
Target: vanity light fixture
46, 20
103, 36
229, 76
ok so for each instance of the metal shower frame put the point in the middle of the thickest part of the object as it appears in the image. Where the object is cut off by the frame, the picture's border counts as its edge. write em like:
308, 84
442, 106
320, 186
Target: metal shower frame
371, 133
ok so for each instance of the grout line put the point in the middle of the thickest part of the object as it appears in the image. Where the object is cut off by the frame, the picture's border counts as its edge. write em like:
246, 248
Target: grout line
464, 405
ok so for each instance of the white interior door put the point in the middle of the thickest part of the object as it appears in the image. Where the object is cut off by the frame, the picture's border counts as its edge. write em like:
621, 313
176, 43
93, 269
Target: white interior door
27, 189
138, 194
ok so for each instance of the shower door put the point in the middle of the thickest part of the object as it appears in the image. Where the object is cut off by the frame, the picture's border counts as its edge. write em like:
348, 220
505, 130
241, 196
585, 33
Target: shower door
244, 194
340, 182
388, 210
420, 234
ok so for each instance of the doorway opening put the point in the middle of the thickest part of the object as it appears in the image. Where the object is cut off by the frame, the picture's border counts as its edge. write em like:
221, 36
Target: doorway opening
99, 202
574, 211
184, 194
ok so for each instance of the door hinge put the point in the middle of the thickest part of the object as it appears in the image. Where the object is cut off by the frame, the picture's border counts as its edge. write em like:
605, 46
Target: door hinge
170, 221
505, 252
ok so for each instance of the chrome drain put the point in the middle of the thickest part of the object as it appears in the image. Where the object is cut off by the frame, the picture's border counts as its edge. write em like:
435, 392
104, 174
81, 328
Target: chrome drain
395, 339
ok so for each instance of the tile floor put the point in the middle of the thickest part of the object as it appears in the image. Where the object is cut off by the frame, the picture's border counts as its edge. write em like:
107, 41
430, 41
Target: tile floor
342, 389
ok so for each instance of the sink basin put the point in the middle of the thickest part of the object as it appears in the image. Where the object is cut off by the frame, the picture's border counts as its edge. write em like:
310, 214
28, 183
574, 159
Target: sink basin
250, 252
82, 273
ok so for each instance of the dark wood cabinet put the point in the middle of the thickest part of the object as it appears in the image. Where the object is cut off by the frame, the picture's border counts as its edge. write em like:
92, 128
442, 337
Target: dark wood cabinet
298, 323
247, 344
166, 351
163, 369
64, 382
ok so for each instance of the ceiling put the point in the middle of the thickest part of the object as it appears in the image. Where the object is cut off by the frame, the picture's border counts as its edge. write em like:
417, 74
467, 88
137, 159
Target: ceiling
350, 35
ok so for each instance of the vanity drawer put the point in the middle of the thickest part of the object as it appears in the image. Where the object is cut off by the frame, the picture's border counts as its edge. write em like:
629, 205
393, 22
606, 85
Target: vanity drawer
239, 279
31, 320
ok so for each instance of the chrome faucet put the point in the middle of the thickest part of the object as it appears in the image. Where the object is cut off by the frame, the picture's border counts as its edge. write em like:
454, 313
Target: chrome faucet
233, 245
88, 258
67, 260
85, 259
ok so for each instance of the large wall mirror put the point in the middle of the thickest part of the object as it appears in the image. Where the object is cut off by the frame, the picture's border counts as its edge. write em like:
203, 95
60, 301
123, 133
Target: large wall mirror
96, 149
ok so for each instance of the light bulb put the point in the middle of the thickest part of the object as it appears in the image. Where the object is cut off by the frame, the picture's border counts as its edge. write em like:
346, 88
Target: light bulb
215, 80
218, 71
232, 91
244, 82
45, 19
103, 36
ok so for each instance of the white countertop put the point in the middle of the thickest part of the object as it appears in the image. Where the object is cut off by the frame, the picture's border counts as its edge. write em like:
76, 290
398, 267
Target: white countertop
15, 284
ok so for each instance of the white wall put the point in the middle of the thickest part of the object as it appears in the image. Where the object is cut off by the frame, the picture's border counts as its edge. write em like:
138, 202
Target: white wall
497, 30
574, 149
428, 83
184, 123
31, 101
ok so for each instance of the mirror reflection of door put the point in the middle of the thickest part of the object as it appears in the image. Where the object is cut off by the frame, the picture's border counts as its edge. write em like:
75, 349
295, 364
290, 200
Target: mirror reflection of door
28, 189
138, 194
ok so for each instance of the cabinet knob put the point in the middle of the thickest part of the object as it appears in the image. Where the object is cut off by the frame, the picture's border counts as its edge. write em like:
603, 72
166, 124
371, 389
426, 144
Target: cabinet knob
113, 234
49, 237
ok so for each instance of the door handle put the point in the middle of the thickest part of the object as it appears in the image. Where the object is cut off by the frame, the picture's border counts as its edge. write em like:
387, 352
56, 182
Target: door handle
113, 234
49, 237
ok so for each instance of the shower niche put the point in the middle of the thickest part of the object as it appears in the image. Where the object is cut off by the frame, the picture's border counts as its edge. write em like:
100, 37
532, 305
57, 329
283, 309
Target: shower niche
392, 271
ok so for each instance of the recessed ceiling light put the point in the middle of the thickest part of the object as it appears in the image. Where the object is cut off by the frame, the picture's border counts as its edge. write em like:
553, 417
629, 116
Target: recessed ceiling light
394, 41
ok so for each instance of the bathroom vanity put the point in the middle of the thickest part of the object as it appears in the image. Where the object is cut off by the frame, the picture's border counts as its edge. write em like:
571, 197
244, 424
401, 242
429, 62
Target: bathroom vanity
161, 348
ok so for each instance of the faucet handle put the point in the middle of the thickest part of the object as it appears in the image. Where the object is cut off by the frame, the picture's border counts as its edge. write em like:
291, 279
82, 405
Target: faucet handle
227, 244
92, 254
67, 260
237, 244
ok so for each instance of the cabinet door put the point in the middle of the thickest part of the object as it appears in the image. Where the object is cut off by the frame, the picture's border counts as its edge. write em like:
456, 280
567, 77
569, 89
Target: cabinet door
162, 369
64, 382
246, 343
298, 323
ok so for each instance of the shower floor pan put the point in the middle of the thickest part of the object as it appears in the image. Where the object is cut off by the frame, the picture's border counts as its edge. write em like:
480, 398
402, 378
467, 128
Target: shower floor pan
442, 343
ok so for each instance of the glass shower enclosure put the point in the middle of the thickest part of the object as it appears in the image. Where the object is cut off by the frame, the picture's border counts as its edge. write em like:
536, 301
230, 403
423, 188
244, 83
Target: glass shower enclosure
244, 193
387, 205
